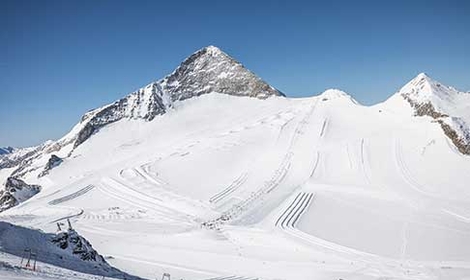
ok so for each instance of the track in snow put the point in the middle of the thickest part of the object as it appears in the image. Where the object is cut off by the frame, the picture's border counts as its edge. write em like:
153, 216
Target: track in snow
116, 215
123, 193
270, 185
142, 172
232, 277
72, 195
315, 165
288, 219
295, 210
287, 222
159, 193
69, 216
364, 162
406, 174
323, 127
230, 189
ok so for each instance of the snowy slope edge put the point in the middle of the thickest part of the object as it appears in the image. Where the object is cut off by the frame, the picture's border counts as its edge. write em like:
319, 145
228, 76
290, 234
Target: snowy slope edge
205, 71
446, 105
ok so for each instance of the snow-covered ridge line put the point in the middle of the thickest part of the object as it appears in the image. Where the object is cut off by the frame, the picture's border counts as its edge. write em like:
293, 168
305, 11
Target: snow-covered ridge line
382, 193
66, 249
211, 70
6, 150
207, 70
15, 192
444, 104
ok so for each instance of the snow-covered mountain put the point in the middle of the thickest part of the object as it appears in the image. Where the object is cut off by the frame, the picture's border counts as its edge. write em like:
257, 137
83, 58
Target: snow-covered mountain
6, 150
65, 248
15, 192
207, 70
212, 173
446, 105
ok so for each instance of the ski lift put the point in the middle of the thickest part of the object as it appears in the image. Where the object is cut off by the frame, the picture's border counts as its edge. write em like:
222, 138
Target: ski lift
32, 259
25, 255
70, 224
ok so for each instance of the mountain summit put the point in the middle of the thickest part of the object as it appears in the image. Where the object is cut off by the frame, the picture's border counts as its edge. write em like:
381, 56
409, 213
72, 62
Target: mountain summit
424, 88
212, 70
207, 70
279, 176
446, 105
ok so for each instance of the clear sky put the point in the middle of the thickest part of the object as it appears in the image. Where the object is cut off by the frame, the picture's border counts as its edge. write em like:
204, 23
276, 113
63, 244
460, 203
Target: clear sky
59, 59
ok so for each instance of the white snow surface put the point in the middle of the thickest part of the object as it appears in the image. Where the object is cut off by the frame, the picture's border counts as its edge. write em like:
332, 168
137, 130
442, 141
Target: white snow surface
444, 99
308, 188
12, 267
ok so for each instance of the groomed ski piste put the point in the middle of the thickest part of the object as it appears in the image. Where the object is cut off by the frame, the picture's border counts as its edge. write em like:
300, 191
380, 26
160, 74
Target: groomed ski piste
237, 188
11, 268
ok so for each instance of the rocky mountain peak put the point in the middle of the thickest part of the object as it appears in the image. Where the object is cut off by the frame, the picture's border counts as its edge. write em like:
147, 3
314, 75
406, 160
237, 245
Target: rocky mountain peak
445, 105
424, 88
207, 70
6, 150
16, 191
212, 70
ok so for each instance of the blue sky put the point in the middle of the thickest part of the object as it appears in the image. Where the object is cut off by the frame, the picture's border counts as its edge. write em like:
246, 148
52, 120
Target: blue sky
59, 59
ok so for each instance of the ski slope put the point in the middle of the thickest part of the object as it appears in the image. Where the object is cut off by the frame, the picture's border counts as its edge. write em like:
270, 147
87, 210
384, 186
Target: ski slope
225, 187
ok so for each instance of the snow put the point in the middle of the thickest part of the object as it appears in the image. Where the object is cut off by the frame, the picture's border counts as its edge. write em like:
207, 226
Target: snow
336, 94
312, 189
6, 150
23, 249
12, 268
213, 50
445, 99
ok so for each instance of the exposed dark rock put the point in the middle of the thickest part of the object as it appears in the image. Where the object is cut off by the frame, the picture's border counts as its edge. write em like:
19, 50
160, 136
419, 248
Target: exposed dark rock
10, 161
7, 200
6, 150
462, 145
211, 70
424, 109
70, 240
207, 70
17, 240
427, 109
119, 110
51, 163
15, 192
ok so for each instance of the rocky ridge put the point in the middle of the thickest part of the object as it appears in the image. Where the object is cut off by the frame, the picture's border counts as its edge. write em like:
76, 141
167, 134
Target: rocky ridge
447, 106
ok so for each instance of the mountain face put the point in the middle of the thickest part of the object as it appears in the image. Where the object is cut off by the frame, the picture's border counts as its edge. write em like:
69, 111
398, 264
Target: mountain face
211, 70
53, 161
15, 192
6, 150
380, 191
207, 70
449, 107
66, 249
76, 244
